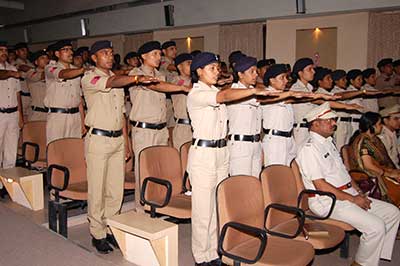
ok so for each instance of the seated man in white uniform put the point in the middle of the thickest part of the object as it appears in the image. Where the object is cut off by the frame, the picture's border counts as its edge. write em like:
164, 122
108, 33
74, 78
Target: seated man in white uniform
322, 168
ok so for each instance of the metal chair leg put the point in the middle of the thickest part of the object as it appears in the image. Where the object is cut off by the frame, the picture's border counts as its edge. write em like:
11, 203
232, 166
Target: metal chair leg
344, 247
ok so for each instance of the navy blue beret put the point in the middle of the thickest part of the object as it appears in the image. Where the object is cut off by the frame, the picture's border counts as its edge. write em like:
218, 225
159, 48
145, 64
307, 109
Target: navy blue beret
301, 64
262, 63
21, 45
97, 46
50, 47
368, 72
338, 74
352, 74
202, 60
149, 46
195, 52
81, 49
273, 71
129, 56
37, 54
3, 44
182, 58
320, 73
234, 56
60, 44
244, 63
385, 61
396, 63
168, 44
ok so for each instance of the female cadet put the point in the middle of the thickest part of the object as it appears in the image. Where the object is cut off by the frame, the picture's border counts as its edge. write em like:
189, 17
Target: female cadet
208, 160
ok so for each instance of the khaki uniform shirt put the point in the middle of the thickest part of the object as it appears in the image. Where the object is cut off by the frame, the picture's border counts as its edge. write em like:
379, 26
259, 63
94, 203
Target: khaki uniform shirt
179, 99
169, 75
278, 116
105, 105
383, 82
389, 139
370, 104
301, 109
147, 105
37, 86
209, 118
9, 89
61, 93
244, 117
17, 63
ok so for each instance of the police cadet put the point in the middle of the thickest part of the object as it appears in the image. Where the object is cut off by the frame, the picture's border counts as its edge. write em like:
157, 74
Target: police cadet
183, 130
391, 123
11, 118
36, 82
208, 161
83, 51
245, 123
303, 72
24, 65
106, 144
148, 114
396, 69
370, 103
355, 81
386, 80
131, 60
63, 95
322, 168
168, 69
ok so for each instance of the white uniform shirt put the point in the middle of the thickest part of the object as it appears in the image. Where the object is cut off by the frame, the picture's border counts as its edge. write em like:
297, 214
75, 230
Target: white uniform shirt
301, 109
370, 104
244, 117
278, 116
337, 89
358, 101
209, 118
389, 139
9, 88
318, 158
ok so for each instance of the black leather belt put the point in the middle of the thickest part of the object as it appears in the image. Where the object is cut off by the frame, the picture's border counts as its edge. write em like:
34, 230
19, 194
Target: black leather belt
357, 120
107, 133
8, 110
250, 138
73, 110
286, 134
27, 94
40, 109
184, 121
220, 143
301, 125
345, 119
148, 125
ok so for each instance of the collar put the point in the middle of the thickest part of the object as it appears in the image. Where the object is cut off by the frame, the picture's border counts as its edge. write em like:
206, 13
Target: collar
202, 85
320, 139
102, 73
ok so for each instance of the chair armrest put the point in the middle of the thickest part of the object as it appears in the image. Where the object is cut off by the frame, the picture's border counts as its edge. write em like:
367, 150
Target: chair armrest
50, 174
321, 193
246, 229
157, 181
24, 150
299, 213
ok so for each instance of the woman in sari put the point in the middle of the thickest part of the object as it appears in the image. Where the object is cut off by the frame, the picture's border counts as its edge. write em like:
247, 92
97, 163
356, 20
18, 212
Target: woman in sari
368, 155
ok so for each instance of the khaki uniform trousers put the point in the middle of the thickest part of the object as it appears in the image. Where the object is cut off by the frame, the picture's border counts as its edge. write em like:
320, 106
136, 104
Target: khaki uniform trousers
63, 126
181, 134
207, 167
9, 134
37, 116
278, 150
342, 134
378, 226
245, 158
141, 139
26, 106
105, 160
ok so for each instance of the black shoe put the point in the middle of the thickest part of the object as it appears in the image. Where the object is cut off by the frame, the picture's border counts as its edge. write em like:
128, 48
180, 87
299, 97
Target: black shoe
3, 192
111, 240
101, 245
